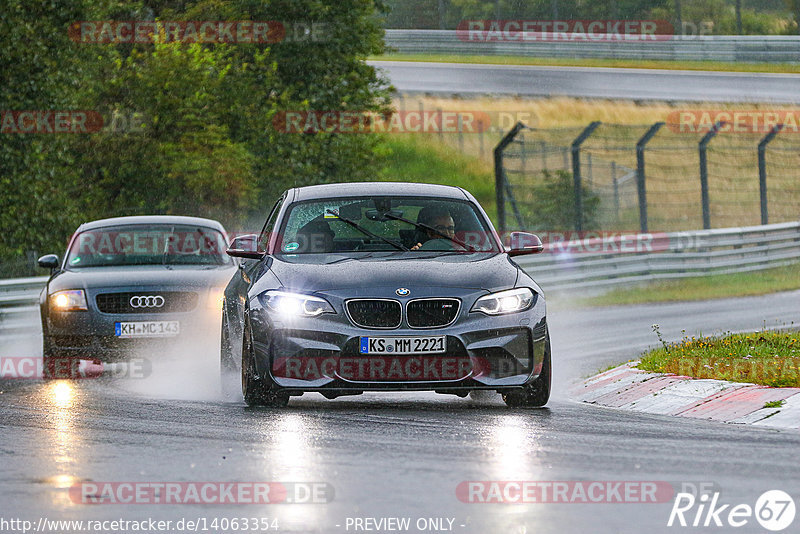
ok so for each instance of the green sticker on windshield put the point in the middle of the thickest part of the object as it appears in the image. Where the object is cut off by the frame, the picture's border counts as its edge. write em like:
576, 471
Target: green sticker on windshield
76, 259
291, 247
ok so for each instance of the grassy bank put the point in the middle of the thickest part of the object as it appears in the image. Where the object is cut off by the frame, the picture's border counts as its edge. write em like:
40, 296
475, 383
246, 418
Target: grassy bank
704, 287
418, 158
766, 358
785, 68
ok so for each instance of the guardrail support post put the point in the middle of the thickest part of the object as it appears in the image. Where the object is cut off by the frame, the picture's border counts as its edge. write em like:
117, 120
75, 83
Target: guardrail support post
576, 172
500, 176
702, 147
762, 170
640, 176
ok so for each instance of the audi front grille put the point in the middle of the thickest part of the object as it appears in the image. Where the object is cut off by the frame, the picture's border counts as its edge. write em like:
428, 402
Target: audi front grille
432, 313
375, 313
147, 302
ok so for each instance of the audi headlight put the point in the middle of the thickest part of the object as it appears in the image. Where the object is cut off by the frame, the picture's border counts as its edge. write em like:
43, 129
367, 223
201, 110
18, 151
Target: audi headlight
69, 300
509, 301
295, 304
216, 297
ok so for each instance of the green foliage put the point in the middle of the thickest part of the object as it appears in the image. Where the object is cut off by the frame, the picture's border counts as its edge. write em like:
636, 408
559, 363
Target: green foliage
553, 205
188, 126
767, 358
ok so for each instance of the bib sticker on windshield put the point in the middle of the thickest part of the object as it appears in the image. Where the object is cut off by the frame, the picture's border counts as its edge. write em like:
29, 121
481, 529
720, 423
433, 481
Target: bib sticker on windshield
334, 209
291, 247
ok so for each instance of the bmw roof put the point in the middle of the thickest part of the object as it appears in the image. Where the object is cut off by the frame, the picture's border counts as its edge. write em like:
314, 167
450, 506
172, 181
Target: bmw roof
153, 219
312, 192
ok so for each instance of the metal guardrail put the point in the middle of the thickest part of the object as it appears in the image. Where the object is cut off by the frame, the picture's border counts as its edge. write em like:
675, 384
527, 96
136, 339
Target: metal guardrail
19, 310
683, 254
728, 48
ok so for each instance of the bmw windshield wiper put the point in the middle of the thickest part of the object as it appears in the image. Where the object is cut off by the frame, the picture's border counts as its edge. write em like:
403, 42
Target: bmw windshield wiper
365, 231
423, 226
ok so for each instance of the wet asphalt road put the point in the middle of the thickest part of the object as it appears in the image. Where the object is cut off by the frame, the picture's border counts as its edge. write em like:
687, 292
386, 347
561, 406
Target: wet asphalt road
628, 84
393, 455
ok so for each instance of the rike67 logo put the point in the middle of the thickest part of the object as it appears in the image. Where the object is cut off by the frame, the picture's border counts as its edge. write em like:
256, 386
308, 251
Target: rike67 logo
774, 510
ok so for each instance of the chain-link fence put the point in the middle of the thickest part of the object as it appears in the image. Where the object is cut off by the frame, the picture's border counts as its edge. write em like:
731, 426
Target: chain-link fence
645, 177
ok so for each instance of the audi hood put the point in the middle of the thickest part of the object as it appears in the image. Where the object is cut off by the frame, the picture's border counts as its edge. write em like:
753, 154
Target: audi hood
143, 276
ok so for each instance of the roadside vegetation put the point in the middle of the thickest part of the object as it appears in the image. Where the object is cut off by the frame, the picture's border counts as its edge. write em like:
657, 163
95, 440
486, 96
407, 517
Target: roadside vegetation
188, 126
704, 287
767, 358
720, 66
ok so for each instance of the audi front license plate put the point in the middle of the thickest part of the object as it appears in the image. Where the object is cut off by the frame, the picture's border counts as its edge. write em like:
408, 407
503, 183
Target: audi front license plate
147, 329
403, 345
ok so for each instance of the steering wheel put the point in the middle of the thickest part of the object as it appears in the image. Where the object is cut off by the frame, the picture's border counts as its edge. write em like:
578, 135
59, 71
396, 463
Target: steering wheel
438, 244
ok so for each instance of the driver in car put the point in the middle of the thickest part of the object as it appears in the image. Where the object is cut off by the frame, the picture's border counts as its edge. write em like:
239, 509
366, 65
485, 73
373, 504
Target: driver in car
437, 218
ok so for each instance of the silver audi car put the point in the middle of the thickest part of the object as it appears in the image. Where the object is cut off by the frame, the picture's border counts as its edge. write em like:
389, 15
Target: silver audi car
384, 287
132, 283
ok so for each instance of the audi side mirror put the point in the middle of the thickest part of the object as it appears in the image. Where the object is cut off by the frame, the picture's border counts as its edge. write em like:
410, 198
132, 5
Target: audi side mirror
521, 243
245, 246
50, 261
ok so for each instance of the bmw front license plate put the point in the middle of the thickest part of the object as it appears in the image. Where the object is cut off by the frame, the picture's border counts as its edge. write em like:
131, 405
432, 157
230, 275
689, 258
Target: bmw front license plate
147, 329
403, 345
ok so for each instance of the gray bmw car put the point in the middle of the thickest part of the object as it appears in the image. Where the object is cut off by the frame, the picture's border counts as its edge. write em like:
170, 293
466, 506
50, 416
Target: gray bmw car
132, 283
384, 287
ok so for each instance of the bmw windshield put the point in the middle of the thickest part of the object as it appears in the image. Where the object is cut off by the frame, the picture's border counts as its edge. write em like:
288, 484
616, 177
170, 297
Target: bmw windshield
408, 224
147, 244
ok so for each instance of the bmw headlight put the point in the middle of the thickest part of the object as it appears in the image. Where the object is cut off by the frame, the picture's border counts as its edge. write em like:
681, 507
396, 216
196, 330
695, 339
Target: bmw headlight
295, 303
69, 300
509, 301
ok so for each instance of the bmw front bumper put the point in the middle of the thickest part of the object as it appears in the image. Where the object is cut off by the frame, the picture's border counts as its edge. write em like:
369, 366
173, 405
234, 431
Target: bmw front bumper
323, 353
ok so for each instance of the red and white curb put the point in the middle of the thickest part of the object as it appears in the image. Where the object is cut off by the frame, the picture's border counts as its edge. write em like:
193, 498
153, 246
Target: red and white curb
628, 388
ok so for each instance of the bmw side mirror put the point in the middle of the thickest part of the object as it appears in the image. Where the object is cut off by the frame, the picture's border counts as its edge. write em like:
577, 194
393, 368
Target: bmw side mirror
245, 246
521, 243
50, 261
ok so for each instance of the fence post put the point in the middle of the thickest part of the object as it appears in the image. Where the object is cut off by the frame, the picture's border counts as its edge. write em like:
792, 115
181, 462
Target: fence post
762, 170
702, 147
616, 190
641, 188
480, 138
499, 174
576, 172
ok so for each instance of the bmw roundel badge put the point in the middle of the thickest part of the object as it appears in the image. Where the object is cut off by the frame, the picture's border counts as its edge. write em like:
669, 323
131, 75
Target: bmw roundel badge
402, 292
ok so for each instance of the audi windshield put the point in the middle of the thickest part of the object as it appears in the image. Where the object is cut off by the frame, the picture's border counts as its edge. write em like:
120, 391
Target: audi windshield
147, 244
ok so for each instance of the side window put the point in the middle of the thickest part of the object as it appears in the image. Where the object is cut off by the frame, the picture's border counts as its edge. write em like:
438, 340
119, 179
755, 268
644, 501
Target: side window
269, 226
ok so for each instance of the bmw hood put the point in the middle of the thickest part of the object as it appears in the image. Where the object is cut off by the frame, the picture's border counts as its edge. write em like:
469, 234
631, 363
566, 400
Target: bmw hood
333, 272
143, 276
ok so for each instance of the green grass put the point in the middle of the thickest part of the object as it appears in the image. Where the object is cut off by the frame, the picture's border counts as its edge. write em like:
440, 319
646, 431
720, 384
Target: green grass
773, 404
766, 358
413, 158
787, 68
705, 287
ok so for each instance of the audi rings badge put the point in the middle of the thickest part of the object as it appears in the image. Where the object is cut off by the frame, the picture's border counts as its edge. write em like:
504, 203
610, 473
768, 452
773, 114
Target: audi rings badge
142, 301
